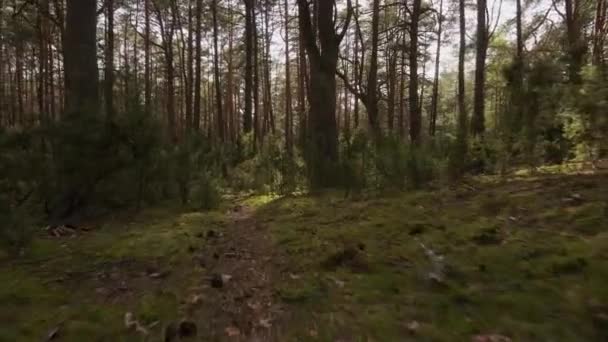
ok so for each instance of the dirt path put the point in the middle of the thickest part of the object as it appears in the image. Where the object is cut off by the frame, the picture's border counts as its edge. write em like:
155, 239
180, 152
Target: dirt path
241, 265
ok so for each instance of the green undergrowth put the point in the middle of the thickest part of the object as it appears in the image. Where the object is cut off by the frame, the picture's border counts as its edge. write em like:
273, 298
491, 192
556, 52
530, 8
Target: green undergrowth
524, 258
84, 285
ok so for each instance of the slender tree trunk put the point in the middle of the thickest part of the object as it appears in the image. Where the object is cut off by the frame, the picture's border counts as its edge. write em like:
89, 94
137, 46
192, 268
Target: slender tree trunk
43, 28
391, 79
190, 71
478, 120
600, 32
435, 98
371, 102
576, 44
216, 68
247, 115
109, 59
198, 65
3, 63
268, 108
415, 116
257, 136
302, 85
402, 102
147, 71
288, 115
462, 111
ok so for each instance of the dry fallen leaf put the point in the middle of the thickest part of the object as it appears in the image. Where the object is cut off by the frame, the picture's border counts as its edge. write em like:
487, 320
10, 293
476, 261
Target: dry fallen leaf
491, 338
265, 323
413, 326
232, 331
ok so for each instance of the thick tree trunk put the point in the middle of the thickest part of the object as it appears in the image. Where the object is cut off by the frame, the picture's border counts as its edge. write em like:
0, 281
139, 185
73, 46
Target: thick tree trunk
80, 58
322, 138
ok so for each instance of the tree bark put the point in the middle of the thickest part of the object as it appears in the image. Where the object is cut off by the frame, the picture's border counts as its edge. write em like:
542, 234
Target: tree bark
478, 120
415, 116
80, 58
435, 98
322, 139
216, 74
109, 61
288, 115
198, 66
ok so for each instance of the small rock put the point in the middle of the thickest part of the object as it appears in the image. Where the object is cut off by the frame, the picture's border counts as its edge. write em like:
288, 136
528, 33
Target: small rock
187, 329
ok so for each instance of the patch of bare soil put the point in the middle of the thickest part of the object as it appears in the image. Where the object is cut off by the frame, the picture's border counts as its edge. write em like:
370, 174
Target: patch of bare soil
238, 300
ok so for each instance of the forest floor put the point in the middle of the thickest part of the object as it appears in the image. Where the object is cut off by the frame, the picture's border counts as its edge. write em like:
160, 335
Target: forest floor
523, 259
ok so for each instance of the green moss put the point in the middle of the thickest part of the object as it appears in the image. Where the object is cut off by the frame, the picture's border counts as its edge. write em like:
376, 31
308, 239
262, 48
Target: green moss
517, 260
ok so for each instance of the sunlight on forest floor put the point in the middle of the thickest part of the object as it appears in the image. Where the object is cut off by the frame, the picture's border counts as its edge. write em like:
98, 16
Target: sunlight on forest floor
526, 258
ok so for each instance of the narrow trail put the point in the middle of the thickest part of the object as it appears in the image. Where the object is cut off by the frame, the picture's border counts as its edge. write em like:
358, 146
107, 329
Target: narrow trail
242, 267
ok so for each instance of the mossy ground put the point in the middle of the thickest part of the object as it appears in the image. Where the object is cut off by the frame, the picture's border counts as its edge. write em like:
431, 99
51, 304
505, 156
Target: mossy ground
525, 258
84, 285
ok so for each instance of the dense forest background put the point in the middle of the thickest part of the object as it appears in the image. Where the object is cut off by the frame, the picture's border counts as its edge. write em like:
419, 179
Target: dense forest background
125, 103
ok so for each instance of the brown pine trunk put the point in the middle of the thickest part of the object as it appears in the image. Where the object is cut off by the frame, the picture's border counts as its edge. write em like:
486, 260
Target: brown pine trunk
80, 58
322, 138
216, 74
462, 111
371, 101
147, 71
478, 120
600, 31
402, 102
288, 115
109, 61
198, 66
415, 116
268, 108
435, 96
